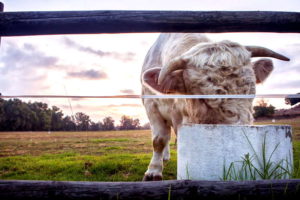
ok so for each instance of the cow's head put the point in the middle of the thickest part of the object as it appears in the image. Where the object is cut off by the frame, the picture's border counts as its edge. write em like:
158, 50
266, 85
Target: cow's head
215, 68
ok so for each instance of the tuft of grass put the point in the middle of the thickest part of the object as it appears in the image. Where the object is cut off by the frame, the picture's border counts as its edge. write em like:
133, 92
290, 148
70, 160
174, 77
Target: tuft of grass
266, 169
170, 192
187, 172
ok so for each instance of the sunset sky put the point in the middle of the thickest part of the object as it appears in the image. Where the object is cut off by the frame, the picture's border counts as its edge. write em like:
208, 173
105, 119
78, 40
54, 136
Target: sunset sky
110, 64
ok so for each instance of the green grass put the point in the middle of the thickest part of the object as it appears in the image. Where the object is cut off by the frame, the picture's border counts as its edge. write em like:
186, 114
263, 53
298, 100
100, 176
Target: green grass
91, 156
78, 156
75, 167
296, 149
245, 169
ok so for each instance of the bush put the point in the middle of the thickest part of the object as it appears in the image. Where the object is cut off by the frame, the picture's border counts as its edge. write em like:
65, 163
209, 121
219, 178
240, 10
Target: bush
263, 110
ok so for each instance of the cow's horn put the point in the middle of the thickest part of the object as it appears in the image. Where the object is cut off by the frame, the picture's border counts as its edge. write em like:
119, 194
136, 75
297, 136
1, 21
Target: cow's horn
175, 64
257, 51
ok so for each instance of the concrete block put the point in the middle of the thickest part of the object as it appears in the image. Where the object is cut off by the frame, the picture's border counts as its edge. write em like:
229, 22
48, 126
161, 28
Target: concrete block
204, 150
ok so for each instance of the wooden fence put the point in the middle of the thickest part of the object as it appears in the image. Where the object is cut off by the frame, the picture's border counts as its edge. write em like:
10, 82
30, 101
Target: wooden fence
79, 22
185, 190
83, 22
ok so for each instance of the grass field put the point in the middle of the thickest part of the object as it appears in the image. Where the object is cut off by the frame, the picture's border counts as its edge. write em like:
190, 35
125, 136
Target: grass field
90, 156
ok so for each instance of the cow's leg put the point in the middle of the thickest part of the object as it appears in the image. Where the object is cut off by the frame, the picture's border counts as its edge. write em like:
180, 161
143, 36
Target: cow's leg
166, 152
161, 134
160, 139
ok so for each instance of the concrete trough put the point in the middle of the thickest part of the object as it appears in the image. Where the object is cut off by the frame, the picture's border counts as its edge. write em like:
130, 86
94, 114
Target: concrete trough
206, 152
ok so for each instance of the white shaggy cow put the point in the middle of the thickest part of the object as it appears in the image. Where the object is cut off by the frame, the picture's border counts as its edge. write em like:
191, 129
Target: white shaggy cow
189, 63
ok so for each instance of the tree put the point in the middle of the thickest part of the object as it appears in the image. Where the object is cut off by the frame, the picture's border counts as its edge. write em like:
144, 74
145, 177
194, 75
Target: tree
68, 124
56, 119
263, 109
2, 113
127, 123
37, 124
94, 126
82, 121
42, 118
107, 124
292, 101
136, 124
17, 115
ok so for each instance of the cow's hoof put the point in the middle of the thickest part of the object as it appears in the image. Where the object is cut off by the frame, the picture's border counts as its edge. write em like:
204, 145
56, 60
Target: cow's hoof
166, 158
152, 177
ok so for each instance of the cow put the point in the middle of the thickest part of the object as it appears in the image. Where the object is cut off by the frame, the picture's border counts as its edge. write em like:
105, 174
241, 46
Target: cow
189, 63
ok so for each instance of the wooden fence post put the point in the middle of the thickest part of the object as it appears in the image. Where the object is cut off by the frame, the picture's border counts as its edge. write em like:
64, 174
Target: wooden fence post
1, 10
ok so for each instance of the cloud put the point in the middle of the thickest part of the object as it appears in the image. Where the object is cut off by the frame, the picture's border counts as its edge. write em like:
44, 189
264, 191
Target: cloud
127, 91
37, 78
20, 66
123, 105
25, 57
292, 66
88, 74
295, 84
97, 112
73, 44
125, 57
290, 49
99, 108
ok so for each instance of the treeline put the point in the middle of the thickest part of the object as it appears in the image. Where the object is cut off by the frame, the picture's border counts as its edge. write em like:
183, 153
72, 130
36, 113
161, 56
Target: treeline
16, 115
265, 110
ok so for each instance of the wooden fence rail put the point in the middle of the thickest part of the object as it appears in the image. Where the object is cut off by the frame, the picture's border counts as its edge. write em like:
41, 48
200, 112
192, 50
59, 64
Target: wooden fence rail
83, 22
263, 189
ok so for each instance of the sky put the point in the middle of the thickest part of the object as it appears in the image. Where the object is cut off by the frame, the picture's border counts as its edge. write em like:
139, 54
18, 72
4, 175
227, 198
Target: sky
110, 64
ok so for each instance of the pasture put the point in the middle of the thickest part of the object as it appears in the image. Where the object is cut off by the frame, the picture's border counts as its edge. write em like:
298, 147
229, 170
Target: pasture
91, 156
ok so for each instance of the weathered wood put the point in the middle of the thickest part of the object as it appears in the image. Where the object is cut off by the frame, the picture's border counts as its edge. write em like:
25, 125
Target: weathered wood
1, 10
271, 189
81, 22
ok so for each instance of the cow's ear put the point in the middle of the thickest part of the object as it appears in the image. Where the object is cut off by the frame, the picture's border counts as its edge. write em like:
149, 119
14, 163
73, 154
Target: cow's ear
172, 83
262, 69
